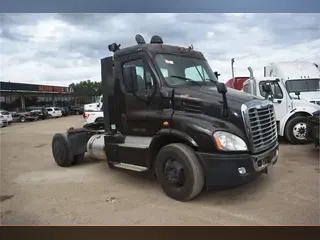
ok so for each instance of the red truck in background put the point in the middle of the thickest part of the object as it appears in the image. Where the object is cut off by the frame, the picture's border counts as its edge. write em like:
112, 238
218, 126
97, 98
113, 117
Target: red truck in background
236, 83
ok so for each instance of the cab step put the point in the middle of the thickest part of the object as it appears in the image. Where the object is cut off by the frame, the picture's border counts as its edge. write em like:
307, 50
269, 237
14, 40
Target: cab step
136, 142
131, 167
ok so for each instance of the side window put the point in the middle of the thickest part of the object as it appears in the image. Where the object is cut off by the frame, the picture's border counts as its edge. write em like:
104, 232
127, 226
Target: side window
276, 90
193, 73
145, 79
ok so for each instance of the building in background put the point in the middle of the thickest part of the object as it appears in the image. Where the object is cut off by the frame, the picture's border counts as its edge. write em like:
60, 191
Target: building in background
23, 95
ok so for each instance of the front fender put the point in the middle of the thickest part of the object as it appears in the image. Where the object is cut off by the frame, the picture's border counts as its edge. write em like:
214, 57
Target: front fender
174, 133
163, 137
298, 110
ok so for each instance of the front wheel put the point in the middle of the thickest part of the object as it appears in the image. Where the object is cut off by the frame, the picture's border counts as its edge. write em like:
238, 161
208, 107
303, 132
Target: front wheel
296, 129
179, 172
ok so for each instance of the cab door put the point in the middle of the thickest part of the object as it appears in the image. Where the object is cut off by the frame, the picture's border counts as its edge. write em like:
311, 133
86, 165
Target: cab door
133, 107
279, 98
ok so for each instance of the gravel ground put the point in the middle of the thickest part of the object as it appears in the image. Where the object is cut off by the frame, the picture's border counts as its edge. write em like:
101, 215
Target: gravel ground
34, 190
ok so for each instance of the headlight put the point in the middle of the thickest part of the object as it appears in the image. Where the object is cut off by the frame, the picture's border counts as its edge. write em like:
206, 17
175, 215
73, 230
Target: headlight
229, 142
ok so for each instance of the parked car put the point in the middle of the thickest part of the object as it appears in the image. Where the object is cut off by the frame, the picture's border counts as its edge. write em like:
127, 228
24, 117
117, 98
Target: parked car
41, 111
3, 123
23, 115
54, 112
6, 116
76, 110
65, 111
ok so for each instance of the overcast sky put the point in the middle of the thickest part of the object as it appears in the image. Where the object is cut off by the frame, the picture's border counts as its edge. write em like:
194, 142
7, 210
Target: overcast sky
58, 49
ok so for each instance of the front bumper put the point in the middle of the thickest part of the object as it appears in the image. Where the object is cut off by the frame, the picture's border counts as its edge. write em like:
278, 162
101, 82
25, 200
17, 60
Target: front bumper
221, 170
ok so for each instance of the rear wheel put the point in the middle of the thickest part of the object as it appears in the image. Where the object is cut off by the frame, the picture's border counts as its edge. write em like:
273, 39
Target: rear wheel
179, 172
295, 131
78, 158
99, 120
23, 119
61, 152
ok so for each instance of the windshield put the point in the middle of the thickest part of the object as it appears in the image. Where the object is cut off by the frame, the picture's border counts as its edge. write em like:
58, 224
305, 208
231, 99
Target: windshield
178, 70
303, 85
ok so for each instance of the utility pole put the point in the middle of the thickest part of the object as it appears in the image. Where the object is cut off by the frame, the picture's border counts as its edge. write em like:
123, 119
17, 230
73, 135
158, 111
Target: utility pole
232, 69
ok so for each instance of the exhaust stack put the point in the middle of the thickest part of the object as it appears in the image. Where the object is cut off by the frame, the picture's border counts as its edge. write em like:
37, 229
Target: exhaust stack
251, 72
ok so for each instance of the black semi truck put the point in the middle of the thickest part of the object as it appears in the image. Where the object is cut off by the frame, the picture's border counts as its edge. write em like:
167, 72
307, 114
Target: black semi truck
165, 113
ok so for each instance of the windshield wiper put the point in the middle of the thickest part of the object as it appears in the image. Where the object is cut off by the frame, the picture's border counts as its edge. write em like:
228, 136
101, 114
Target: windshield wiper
187, 79
202, 77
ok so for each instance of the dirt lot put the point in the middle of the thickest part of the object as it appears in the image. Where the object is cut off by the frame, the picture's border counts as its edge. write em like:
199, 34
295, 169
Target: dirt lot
34, 190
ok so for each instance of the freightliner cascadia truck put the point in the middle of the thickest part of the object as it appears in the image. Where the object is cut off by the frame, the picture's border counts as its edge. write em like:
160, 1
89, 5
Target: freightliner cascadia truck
166, 114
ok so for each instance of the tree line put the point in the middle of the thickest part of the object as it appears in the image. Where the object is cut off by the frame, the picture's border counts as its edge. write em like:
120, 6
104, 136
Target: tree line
87, 87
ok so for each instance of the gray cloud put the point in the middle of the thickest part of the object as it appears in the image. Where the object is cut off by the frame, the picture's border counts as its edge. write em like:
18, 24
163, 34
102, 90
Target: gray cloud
63, 48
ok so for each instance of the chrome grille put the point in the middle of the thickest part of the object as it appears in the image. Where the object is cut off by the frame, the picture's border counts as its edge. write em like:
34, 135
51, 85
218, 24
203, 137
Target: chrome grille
260, 119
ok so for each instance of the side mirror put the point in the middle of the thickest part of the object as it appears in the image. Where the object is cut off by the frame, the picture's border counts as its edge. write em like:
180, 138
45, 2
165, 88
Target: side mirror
221, 87
217, 74
297, 93
130, 79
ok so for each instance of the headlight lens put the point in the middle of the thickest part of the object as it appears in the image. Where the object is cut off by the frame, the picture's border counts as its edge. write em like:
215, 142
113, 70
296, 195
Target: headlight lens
229, 142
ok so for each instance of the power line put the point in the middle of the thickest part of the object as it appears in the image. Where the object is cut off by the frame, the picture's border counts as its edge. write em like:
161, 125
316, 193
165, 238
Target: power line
308, 55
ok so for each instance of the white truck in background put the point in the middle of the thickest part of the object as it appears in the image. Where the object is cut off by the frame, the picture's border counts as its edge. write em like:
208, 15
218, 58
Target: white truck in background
291, 113
299, 78
93, 112
96, 106
93, 116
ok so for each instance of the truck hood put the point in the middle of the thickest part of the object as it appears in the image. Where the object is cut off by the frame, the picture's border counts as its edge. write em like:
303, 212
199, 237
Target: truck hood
206, 100
310, 95
304, 104
210, 95
313, 97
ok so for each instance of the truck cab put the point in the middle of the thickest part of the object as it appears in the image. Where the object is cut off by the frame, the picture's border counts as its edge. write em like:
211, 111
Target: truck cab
166, 113
291, 112
298, 77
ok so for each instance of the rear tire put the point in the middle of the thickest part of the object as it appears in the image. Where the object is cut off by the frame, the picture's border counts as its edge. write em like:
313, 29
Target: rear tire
61, 151
78, 158
23, 119
99, 120
192, 173
295, 131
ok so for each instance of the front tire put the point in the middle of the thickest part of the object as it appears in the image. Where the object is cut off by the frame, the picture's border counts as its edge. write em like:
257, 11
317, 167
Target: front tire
179, 172
295, 131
